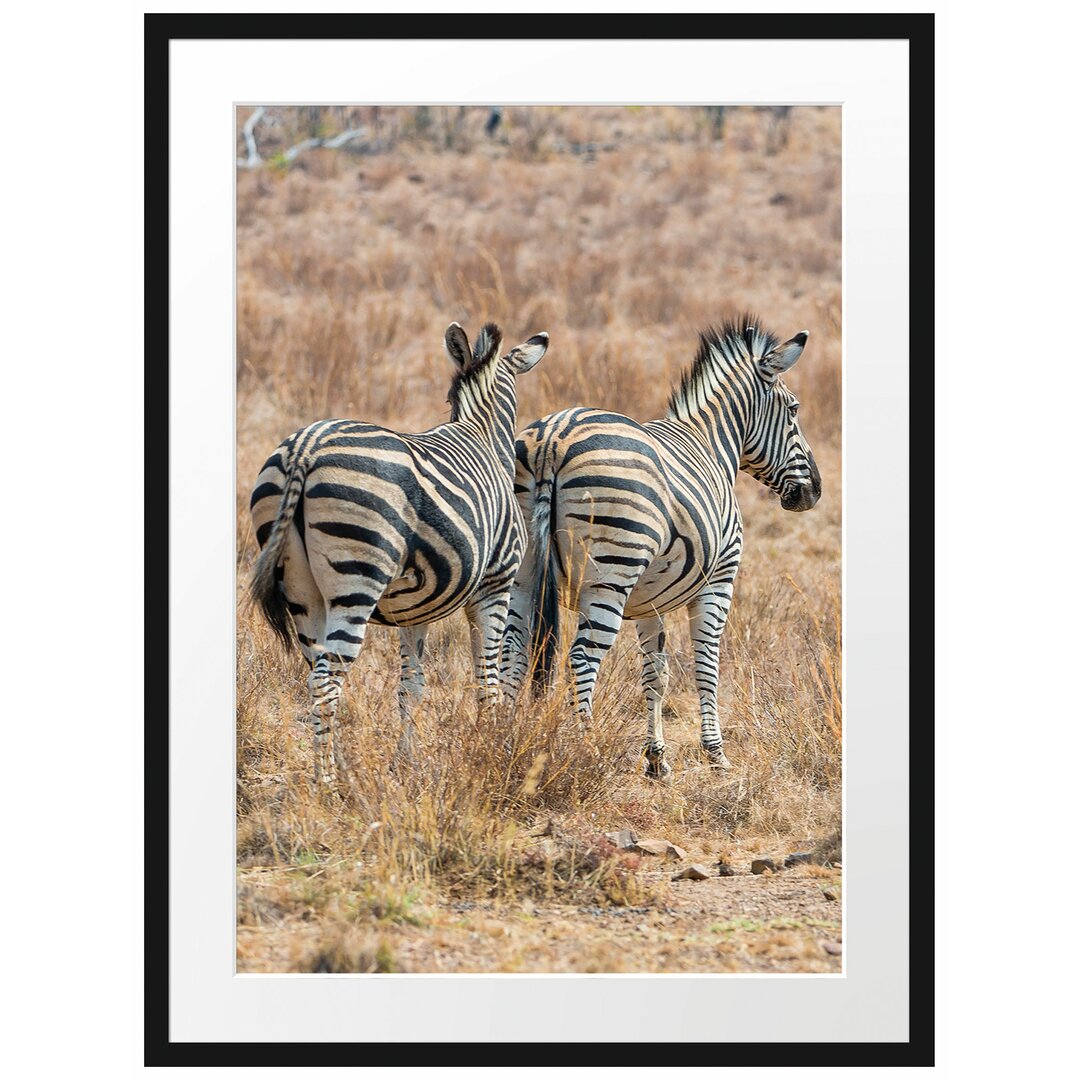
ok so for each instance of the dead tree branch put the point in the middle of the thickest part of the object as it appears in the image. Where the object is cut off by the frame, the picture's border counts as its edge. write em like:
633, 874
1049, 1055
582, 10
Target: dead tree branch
334, 142
330, 142
253, 158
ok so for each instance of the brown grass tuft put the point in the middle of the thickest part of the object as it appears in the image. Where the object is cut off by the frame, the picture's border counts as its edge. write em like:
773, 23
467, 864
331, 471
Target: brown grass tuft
348, 951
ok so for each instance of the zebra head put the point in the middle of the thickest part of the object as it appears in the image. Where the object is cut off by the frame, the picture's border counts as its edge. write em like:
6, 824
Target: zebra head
481, 373
775, 450
483, 394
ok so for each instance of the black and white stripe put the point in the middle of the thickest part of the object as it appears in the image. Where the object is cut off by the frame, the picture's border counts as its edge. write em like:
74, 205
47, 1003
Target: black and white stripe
360, 524
631, 521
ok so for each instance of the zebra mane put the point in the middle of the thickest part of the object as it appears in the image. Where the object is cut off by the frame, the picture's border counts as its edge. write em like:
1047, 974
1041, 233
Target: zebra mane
720, 350
475, 378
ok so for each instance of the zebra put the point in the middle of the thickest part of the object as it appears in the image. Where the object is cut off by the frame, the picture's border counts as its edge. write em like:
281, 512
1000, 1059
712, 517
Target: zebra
359, 524
632, 521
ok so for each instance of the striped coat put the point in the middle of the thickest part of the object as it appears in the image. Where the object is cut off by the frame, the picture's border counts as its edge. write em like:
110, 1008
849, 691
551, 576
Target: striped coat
360, 524
632, 521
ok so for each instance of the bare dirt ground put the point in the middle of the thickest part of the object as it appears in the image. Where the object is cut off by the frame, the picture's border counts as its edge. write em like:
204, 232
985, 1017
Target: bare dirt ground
784, 922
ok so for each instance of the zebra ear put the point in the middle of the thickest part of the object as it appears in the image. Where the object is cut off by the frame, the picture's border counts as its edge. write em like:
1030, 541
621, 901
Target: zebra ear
783, 356
526, 356
457, 346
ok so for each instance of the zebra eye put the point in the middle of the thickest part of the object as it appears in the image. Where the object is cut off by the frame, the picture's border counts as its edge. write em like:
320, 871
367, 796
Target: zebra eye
793, 408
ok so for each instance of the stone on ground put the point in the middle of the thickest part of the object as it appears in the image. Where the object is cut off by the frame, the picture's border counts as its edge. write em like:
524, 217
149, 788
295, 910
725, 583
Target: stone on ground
659, 847
694, 872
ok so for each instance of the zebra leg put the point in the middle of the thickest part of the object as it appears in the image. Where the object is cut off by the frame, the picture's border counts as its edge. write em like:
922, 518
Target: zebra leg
411, 688
654, 680
601, 608
487, 621
340, 647
516, 642
302, 597
708, 615
324, 691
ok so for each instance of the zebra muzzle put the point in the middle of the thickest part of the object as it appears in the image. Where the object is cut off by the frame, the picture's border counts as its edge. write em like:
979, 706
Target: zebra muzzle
800, 497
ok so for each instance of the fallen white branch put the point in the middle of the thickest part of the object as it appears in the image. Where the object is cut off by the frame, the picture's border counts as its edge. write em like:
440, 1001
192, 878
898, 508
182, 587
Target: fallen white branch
253, 158
343, 138
331, 142
299, 148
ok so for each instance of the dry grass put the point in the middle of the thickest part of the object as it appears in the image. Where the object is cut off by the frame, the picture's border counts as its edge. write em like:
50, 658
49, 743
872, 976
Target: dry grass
621, 232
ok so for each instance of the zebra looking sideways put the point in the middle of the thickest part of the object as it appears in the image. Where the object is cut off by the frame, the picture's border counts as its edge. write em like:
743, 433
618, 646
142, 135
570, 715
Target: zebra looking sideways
631, 521
360, 524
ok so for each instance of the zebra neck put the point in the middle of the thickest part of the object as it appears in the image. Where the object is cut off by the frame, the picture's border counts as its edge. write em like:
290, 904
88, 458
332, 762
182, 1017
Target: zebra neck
716, 401
493, 424
722, 430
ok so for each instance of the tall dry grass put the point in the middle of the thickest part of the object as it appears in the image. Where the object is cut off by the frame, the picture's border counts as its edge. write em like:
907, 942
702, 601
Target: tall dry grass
621, 232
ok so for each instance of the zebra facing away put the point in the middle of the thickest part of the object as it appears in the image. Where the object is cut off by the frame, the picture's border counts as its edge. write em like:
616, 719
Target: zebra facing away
360, 524
631, 521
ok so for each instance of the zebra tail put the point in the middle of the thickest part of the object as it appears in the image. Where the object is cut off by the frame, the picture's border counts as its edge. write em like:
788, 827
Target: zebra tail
264, 582
545, 635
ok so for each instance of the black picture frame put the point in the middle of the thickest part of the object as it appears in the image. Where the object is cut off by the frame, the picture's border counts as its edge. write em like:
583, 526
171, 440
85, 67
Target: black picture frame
159, 30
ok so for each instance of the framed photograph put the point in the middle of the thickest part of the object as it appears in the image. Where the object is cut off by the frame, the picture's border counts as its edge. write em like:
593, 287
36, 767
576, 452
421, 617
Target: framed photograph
539, 516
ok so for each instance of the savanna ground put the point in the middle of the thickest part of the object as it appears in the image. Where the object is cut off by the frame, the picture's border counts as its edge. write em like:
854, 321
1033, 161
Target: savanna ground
621, 231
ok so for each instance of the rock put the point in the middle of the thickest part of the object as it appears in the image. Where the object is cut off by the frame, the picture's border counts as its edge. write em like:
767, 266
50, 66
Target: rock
658, 847
694, 872
723, 870
829, 895
798, 858
833, 948
623, 839
650, 847
759, 866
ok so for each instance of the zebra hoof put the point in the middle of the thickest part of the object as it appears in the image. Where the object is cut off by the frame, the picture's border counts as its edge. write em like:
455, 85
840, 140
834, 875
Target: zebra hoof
717, 758
657, 770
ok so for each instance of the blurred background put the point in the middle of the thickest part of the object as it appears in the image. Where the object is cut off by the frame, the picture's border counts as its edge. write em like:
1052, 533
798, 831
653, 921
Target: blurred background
621, 231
